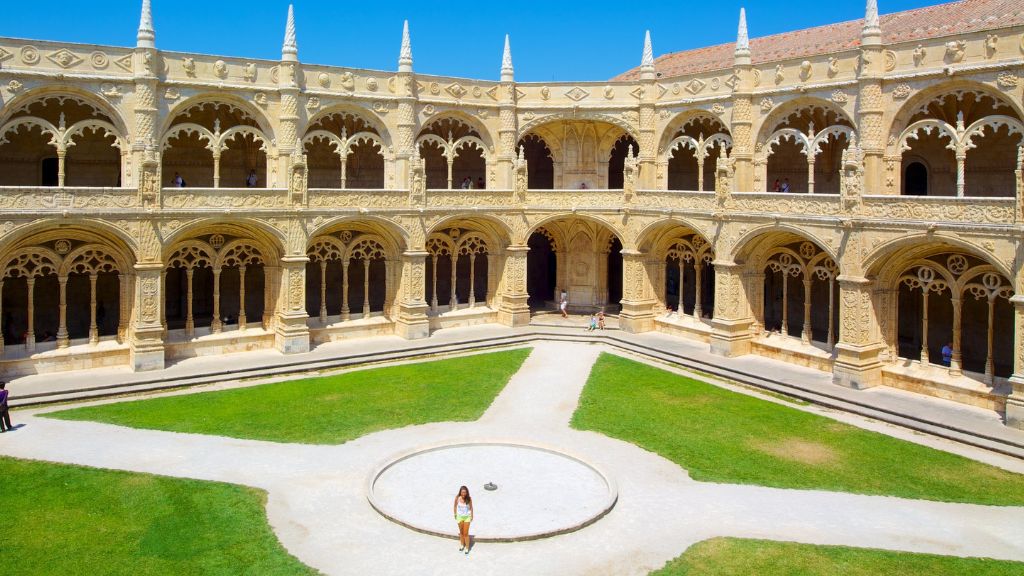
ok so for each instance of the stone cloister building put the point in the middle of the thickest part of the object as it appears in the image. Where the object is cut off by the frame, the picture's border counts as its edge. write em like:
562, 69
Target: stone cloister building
845, 197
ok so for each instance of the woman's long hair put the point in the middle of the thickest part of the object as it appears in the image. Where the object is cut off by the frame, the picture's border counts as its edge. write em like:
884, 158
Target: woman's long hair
467, 499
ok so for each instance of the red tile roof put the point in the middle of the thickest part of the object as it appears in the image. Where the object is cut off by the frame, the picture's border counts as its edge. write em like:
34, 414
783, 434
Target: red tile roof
917, 24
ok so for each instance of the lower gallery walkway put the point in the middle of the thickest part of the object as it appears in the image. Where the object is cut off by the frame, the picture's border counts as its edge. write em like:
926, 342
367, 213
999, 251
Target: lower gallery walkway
319, 509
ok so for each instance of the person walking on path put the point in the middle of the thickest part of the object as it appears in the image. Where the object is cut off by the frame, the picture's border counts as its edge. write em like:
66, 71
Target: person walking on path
5, 413
563, 306
463, 509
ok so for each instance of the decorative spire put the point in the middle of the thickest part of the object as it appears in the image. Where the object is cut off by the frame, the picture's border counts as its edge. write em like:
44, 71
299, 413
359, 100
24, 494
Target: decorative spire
146, 37
871, 26
290, 48
507, 72
647, 60
742, 38
405, 55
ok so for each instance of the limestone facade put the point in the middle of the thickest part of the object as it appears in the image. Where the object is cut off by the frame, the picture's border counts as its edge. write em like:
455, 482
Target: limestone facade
157, 205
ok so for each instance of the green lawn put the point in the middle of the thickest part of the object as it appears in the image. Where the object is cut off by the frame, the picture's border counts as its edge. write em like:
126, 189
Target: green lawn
724, 436
60, 519
737, 557
326, 410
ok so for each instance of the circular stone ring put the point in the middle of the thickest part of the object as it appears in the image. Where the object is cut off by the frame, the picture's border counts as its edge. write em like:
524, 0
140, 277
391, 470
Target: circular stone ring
544, 492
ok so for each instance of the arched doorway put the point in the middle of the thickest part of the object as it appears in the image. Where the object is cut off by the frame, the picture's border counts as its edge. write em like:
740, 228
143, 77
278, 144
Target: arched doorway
614, 265
803, 151
969, 139
61, 140
454, 155
692, 153
915, 180
580, 257
344, 151
624, 146
216, 145
540, 165
542, 270
957, 302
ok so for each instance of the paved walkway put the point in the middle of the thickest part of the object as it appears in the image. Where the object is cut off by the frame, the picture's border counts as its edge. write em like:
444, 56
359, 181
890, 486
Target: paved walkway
317, 501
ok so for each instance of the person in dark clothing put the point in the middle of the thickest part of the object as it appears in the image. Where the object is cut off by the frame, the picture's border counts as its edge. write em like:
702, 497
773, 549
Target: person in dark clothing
5, 414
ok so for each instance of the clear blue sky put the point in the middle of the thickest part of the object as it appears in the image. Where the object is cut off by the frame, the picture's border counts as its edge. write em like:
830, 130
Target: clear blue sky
584, 40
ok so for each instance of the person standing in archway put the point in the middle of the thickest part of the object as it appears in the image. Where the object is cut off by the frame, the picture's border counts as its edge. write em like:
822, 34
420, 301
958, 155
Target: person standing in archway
463, 509
563, 305
5, 413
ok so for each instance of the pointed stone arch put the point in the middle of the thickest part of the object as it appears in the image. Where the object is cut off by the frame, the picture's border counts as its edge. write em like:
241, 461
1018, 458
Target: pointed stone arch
58, 138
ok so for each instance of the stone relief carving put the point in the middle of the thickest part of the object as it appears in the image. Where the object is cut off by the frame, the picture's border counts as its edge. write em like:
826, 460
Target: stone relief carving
806, 70
98, 60
1007, 80
919, 55
30, 55
890, 60
220, 69
833, 66
576, 94
348, 82
901, 92
991, 45
188, 64
955, 50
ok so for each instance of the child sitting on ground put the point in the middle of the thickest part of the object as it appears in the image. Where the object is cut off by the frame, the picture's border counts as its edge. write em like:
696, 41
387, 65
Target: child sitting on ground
593, 323
600, 320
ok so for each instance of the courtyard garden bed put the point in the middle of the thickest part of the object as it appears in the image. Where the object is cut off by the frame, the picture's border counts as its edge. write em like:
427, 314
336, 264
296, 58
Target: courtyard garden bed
719, 435
329, 409
61, 519
741, 557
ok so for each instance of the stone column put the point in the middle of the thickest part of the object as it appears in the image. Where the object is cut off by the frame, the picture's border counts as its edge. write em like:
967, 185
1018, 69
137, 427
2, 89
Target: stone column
411, 321
514, 309
507, 133
62, 324
405, 136
147, 346
638, 298
871, 106
145, 144
1015, 401
731, 327
858, 361
648, 154
291, 334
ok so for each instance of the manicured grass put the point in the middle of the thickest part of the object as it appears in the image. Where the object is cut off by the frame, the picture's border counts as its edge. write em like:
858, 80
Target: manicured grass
326, 410
60, 519
723, 436
738, 557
